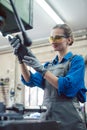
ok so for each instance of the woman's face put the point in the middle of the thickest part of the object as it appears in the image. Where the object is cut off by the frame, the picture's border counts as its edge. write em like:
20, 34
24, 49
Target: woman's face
58, 40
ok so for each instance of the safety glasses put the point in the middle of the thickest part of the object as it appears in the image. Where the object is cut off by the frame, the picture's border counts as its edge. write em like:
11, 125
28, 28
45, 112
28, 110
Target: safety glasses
56, 38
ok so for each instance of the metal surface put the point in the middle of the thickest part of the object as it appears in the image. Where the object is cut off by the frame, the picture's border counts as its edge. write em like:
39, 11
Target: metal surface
29, 125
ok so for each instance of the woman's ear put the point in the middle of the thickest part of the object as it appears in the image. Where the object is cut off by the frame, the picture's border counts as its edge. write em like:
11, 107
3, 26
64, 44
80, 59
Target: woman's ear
70, 41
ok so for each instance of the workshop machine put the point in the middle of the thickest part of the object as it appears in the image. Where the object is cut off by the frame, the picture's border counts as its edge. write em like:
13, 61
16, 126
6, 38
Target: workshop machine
14, 118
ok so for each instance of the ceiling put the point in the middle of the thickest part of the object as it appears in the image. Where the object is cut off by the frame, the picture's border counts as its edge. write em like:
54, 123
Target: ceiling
72, 12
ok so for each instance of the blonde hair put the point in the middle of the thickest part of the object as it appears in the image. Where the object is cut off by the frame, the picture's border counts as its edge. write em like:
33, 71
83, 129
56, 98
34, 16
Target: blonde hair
67, 31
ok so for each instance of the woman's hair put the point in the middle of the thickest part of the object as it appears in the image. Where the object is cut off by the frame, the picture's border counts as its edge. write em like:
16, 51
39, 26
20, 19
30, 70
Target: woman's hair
67, 31
86, 60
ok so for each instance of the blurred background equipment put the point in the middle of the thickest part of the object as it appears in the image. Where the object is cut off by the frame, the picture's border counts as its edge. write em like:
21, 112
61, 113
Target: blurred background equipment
7, 20
15, 121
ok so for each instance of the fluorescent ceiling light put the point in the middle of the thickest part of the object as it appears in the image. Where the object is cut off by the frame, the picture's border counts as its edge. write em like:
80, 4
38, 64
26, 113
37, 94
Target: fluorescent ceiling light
0, 34
50, 11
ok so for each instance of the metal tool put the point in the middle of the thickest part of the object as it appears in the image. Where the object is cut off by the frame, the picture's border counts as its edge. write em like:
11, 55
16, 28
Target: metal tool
27, 40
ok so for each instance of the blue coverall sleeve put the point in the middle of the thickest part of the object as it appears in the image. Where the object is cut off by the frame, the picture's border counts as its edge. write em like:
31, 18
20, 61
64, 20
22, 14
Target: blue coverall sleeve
73, 82
35, 80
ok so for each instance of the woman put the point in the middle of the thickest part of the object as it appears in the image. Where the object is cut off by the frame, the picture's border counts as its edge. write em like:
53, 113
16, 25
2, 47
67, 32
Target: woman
62, 80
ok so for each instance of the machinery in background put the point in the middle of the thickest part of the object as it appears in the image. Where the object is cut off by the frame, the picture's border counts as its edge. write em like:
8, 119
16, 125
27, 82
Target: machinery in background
18, 111
10, 20
7, 19
13, 119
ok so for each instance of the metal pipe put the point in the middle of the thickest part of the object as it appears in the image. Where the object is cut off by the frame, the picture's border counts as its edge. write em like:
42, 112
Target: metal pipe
27, 40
